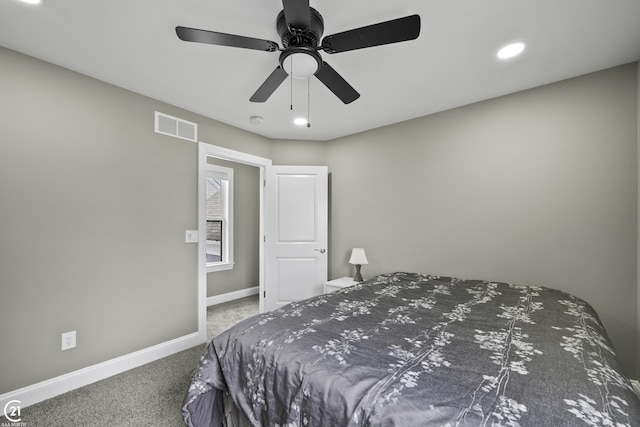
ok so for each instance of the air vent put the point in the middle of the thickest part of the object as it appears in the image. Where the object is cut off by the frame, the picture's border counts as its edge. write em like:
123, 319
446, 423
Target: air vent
178, 128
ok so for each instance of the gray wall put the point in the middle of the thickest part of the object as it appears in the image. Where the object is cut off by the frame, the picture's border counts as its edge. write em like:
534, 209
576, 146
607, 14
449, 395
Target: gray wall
299, 153
638, 261
538, 187
93, 210
246, 226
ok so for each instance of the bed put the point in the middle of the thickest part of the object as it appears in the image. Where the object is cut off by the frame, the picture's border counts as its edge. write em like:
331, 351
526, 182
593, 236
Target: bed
407, 349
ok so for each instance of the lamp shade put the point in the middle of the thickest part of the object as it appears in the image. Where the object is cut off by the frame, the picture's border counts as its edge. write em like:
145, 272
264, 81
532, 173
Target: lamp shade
358, 257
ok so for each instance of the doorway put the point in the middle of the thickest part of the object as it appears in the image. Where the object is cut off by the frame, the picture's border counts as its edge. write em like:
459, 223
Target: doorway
206, 151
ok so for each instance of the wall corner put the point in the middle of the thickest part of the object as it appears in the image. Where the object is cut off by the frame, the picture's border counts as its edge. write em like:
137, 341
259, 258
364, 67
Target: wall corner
637, 373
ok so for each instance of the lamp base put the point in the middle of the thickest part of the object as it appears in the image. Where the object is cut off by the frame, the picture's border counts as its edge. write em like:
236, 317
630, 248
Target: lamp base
358, 276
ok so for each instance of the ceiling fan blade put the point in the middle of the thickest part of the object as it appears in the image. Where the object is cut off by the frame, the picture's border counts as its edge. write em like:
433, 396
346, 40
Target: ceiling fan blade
336, 84
270, 85
223, 39
296, 13
394, 31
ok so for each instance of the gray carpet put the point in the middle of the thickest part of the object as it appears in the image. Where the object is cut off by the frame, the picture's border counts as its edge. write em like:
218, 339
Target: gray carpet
221, 317
150, 395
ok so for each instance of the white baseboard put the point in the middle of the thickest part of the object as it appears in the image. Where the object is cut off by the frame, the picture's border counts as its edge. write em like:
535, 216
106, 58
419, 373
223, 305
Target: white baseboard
636, 387
230, 296
35, 393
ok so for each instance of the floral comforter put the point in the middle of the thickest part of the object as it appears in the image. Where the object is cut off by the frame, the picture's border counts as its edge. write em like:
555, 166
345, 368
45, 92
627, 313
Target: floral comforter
407, 349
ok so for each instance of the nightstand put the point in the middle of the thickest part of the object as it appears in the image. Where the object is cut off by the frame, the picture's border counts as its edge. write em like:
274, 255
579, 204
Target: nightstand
335, 284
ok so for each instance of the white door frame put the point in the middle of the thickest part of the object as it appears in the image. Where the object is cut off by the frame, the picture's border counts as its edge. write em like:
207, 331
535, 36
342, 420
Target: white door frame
207, 150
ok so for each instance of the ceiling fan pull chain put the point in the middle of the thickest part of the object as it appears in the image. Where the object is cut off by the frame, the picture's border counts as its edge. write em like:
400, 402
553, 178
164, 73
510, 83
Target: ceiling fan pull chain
308, 102
291, 85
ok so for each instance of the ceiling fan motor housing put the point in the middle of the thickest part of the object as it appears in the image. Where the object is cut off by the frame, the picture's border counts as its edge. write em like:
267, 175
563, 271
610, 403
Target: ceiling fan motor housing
301, 36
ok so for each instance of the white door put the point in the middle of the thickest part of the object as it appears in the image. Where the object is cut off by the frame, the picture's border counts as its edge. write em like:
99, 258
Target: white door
296, 233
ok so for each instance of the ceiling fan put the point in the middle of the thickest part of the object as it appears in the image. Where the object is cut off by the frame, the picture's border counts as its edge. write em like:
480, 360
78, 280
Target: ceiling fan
300, 27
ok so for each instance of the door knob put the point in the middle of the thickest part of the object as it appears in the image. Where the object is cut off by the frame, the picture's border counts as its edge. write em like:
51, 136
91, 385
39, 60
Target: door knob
320, 250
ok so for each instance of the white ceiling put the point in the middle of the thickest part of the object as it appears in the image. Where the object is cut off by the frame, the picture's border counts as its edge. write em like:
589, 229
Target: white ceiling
132, 44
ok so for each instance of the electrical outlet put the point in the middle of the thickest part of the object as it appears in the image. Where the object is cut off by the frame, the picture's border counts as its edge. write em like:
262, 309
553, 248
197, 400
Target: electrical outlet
68, 340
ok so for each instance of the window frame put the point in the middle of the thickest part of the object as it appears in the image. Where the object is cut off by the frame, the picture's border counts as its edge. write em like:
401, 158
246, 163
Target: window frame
226, 247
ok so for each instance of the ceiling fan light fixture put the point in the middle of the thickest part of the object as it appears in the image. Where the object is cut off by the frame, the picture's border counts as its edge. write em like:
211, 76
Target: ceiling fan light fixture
300, 63
511, 50
33, 1
300, 121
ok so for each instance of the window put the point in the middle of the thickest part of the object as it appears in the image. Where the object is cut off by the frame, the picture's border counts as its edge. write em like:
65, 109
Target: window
219, 195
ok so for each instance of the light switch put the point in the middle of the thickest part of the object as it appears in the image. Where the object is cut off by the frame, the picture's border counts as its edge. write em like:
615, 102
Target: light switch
191, 236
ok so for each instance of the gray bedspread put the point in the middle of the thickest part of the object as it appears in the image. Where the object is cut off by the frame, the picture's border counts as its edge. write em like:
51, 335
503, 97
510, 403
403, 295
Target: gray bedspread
408, 349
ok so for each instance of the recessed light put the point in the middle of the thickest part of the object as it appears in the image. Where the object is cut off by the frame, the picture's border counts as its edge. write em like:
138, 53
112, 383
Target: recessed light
300, 121
256, 120
511, 50
32, 1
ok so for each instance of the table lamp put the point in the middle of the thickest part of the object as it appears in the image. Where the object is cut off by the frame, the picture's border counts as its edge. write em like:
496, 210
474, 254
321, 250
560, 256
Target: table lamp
358, 257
